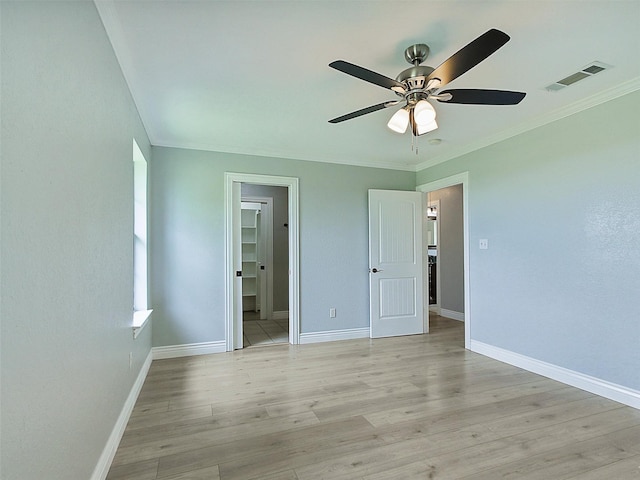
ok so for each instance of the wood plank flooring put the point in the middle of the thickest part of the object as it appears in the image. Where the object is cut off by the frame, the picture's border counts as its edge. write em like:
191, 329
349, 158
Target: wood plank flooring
419, 407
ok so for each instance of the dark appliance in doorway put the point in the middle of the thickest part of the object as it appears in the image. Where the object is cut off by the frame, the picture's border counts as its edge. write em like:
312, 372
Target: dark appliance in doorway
433, 265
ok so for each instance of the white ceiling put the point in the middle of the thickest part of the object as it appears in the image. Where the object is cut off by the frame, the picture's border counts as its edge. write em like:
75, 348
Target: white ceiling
252, 77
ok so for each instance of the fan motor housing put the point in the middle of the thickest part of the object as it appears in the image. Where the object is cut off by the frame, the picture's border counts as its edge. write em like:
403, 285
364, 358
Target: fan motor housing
415, 76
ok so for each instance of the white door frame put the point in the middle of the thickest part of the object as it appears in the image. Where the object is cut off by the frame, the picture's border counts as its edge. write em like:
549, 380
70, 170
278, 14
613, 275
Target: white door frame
232, 182
460, 178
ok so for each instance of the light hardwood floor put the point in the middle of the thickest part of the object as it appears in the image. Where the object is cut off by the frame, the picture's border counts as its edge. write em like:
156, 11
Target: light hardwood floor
418, 407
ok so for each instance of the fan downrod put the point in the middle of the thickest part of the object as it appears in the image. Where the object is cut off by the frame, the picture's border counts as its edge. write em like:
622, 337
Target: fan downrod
416, 54
414, 77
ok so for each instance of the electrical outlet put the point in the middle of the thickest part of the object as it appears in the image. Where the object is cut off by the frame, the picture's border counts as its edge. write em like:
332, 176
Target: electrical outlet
332, 313
484, 244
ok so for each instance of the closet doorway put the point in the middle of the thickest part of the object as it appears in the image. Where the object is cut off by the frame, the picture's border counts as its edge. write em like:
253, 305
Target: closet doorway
265, 265
262, 293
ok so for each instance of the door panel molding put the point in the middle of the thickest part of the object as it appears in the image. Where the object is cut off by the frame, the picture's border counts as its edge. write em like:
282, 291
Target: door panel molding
395, 263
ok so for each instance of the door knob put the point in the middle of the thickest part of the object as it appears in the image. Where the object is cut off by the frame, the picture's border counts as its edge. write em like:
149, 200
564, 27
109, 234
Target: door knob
375, 270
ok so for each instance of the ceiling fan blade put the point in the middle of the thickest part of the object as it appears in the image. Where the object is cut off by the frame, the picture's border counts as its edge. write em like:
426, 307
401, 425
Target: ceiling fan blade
469, 56
367, 75
483, 97
364, 111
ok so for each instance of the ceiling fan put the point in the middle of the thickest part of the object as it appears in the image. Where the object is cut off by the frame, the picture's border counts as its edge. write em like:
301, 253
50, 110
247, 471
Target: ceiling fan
419, 84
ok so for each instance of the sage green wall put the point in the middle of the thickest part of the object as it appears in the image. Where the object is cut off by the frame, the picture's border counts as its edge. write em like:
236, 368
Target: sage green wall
187, 240
560, 206
68, 122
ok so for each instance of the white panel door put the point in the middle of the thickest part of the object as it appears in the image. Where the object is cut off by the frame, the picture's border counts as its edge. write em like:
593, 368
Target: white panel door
395, 263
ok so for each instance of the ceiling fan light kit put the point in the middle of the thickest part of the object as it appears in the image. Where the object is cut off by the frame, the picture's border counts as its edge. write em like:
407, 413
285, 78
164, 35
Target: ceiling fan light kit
418, 84
427, 127
423, 118
424, 113
399, 121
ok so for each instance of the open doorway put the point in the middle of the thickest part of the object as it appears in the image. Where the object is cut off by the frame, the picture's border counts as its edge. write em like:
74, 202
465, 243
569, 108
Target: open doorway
265, 265
446, 252
431, 241
265, 303
447, 248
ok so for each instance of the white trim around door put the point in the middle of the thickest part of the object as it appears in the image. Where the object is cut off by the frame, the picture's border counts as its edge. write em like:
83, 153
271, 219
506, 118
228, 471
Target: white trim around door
460, 178
232, 311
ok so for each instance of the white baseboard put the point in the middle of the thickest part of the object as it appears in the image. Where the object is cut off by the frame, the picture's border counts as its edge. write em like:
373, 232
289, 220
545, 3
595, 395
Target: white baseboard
332, 335
579, 380
435, 309
453, 315
189, 349
104, 462
281, 315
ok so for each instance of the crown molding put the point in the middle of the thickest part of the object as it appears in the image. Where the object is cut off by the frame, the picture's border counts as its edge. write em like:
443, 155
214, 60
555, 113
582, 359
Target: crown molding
566, 111
107, 10
390, 165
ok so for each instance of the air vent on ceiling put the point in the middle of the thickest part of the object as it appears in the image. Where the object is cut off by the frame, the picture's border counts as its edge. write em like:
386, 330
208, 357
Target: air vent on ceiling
571, 79
586, 72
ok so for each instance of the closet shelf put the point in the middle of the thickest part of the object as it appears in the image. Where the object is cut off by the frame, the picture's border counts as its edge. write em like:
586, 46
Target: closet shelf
249, 255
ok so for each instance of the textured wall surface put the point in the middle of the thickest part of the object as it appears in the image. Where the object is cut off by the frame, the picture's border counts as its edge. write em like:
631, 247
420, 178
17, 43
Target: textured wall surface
560, 206
187, 240
67, 240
